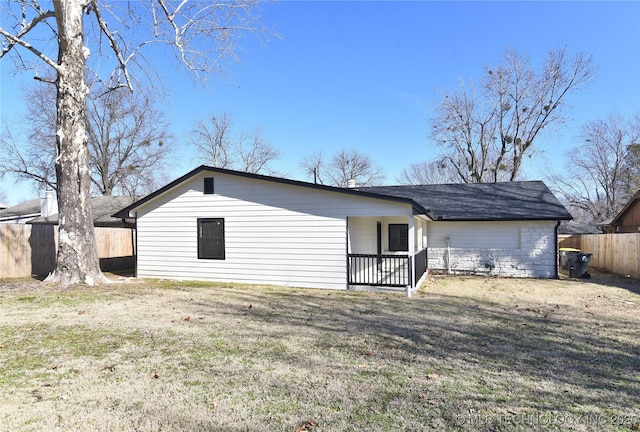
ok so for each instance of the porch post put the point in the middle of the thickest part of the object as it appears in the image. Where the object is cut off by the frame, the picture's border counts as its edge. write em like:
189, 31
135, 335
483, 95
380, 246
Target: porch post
348, 251
411, 252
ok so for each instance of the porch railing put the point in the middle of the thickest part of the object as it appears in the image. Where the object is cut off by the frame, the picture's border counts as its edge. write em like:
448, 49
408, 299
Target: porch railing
421, 265
379, 270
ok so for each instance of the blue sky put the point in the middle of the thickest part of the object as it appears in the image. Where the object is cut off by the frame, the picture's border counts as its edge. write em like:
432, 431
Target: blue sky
367, 75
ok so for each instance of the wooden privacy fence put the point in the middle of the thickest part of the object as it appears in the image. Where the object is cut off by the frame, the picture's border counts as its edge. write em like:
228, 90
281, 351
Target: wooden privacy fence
30, 250
617, 253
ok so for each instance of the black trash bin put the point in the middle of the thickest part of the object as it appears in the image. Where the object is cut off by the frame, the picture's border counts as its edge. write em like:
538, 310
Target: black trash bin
579, 265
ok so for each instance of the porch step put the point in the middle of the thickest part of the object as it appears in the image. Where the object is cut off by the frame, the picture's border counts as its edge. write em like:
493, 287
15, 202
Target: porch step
373, 288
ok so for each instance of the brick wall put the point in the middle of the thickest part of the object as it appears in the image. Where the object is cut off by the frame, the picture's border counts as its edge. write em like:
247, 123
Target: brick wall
536, 256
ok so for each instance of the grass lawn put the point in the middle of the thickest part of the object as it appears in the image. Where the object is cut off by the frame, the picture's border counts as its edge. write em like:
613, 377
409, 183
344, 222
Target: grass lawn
465, 353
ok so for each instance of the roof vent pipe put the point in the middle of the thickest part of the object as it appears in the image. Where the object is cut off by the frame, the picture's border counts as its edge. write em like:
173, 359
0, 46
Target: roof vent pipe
351, 183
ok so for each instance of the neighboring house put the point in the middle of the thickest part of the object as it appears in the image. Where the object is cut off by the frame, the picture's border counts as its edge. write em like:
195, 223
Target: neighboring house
571, 227
102, 208
627, 220
44, 211
34, 252
3, 206
22, 212
229, 226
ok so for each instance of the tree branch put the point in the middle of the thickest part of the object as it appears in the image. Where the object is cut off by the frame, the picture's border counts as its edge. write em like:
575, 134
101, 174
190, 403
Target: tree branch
112, 42
26, 28
14, 40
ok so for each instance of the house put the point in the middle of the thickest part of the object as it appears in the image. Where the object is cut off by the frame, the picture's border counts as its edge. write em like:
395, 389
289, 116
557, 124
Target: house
507, 229
44, 211
102, 208
229, 226
627, 220
22, 212
573, 227
33, 251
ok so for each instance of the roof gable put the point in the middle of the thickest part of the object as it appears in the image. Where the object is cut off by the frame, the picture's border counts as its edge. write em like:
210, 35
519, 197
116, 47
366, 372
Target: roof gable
634, 201
527, 200
124, 213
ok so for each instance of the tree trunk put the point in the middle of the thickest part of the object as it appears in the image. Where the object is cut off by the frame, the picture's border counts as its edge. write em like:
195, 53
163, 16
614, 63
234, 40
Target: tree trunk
77, 260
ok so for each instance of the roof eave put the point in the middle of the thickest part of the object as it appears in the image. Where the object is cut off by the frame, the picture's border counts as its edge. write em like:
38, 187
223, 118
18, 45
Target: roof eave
13, 217
510, 219
626, 208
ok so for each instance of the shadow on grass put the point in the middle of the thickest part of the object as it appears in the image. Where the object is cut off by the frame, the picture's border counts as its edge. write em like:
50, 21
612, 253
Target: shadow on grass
589, 360
613, 280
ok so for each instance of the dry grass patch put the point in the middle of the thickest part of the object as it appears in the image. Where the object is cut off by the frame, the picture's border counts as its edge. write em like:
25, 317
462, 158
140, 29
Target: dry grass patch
464, 354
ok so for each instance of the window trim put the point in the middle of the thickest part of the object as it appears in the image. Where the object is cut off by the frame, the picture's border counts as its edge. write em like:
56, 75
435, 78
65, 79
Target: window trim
200, 221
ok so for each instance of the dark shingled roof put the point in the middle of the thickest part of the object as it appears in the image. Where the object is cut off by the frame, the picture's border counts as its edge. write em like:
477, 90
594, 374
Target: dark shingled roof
575, 228
526, 200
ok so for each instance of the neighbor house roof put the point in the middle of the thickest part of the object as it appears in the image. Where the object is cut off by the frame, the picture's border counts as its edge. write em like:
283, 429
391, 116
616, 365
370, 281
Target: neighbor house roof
417, 208
574, 228
525, 200
26, 209
102, 208
454, 202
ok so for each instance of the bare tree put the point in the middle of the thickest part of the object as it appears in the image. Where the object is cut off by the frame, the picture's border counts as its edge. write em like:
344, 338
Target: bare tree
596, 179
488, 132
256, 152
343, 166
313, 166
35, 163
200, 33
428, 172
218, 146
128, 141
632, 160
212, 139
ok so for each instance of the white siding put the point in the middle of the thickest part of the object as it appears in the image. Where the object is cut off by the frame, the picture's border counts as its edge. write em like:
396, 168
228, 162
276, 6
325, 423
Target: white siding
274, 233
362, 235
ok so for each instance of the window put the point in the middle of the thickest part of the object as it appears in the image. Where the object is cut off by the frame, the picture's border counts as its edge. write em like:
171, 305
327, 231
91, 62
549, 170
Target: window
208, 185
211, 238
399, 237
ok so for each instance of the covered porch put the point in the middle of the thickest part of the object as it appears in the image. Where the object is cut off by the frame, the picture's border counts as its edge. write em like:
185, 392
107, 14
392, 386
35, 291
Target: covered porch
388, 253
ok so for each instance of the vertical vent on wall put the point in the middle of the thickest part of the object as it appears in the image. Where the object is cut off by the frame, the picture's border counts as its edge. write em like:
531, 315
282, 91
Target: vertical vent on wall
208, 185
